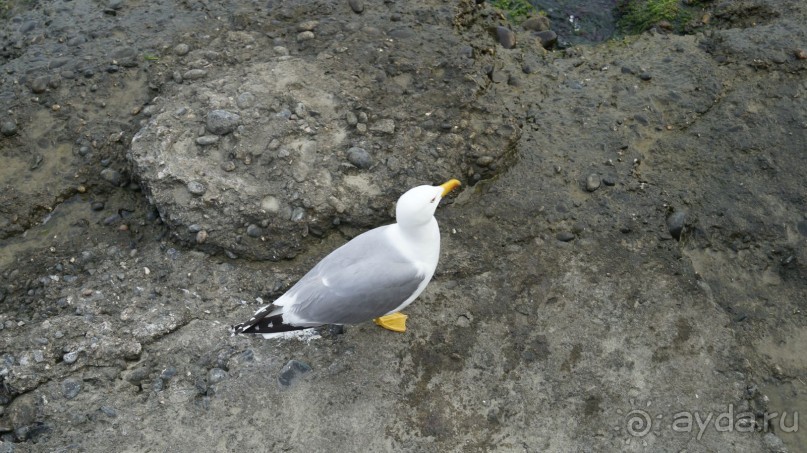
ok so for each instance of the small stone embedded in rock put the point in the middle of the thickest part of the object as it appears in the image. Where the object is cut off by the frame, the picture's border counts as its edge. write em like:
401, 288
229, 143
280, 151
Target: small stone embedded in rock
675, 223
8, 128
196, 188
291, 371
245, 100
565, 236
593, 182
70, 357
182, 49
385, 126
71, 388
39, 84
194, 74
216, 375
484, 161
305, 36
254, 231
207, 140
359, 157
222, 122
112, 176
356, 5
506, 37
537, 23
548, 38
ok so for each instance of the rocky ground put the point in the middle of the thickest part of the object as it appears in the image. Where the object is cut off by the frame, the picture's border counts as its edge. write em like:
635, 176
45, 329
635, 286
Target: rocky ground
623, 269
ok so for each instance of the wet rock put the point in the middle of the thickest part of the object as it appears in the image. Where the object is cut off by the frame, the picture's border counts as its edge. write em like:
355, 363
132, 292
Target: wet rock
112, 176
593, 182
291, 371
548, 38
506, 37
222, 122
356, 5
675, 224
196, 188
216, 375
8, 127
71, 388
359, 157
565, 236
537, 23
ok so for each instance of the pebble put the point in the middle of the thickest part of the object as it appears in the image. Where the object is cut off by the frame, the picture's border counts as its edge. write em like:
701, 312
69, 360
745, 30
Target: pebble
254, 231
645, 76
308, 25
137, 375
385, 126
196, 188
194, 74
228, 166
609, 180
39, 84
207, 140
112, 176
291, 371
675, 223
359, 157
182, 49
109, 411
216, 375
201, 237
351, 119
565, 236
593, 182
484, 161
245, 100
168, 373
305, 36
222, 122
506, 37
548, 38
537, 23
70, 388
8, 127
356, 5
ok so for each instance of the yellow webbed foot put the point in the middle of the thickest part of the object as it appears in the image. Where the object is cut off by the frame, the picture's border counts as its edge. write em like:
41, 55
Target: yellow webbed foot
395, 322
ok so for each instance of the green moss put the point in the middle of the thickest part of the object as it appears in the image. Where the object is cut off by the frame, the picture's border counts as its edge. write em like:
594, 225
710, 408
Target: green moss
517, 11
640, 15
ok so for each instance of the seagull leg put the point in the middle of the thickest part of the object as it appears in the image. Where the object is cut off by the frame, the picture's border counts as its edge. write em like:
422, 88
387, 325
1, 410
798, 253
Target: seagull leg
395, 322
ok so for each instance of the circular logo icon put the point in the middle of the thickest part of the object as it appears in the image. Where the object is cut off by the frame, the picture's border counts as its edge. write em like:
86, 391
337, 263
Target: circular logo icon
639, 423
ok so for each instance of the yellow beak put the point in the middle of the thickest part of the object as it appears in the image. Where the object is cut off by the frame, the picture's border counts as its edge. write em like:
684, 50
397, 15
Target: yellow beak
449, 185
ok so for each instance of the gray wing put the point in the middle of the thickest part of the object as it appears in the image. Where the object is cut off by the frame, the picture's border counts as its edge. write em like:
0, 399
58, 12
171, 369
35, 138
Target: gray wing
364, 279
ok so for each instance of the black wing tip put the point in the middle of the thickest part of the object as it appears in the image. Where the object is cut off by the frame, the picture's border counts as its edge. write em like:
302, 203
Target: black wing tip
270, 324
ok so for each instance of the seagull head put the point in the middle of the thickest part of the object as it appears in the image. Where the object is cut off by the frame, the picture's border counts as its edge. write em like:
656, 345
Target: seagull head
416, 206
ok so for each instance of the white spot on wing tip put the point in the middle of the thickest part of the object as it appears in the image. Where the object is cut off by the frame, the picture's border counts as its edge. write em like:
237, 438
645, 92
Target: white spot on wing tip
306, 335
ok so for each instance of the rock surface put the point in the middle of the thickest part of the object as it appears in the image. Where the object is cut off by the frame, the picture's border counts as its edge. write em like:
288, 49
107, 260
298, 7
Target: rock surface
559, 319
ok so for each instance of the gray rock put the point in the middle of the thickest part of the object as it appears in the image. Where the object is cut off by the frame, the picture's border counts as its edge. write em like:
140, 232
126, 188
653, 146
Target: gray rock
305, 36
351, 118
70, 357
308, 25
565, 236
181, 49
675, 223
356, 5
609, 180
593, 182
137, 375
291, 371
484, 161
207, 140
385, 126
222, 122
71, 388
254, 231
22, 411
39, 84
548, 38
216, 375
506, 37
359, 157
109, 411
112, 176
8, 127
537, 23
194, 74
196, 188
245, 100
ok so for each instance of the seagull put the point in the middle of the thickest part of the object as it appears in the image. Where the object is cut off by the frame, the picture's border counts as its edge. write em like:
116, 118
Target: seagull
373, 276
